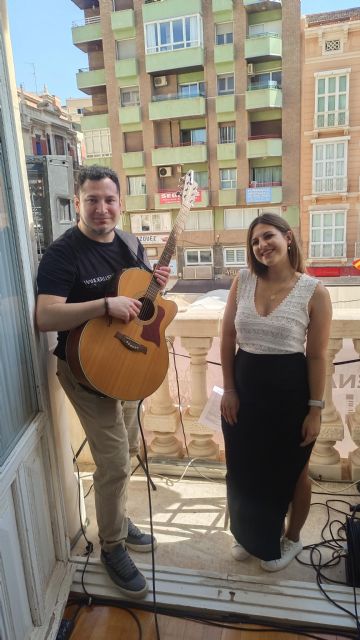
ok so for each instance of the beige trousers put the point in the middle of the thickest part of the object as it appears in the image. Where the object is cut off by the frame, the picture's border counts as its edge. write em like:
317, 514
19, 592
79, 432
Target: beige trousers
103, 422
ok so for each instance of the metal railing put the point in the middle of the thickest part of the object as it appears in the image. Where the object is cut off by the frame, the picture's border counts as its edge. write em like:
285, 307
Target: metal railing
176, 96
82, 23
270, 84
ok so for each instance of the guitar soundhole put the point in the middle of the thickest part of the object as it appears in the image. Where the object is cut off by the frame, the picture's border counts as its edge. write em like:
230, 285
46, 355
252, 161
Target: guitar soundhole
147, 309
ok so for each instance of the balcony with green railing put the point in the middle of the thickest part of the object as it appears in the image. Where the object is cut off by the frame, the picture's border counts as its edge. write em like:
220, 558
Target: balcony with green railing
133, 160
252, 6
224, 53
176, 105
90, 80
136, 203
87, 33
130, 115
264, 147
263, 47
227, 197
225, 104
126, 68
123, 24
179, 60
183, 154
263, 96
226, 151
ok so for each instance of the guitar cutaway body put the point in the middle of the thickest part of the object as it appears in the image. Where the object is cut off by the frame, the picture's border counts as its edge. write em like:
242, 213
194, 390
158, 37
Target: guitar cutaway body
126, 361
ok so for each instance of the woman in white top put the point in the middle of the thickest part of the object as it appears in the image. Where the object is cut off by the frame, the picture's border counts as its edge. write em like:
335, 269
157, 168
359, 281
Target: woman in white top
273, 352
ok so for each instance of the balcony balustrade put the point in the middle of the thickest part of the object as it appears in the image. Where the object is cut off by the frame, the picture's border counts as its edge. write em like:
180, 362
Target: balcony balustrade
183, 154
176, 105
263, 47
89, 80
264, 146
263, 96
195, 331
86, 33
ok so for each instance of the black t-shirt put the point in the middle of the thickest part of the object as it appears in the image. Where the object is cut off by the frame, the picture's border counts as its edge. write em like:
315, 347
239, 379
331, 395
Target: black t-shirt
80, 269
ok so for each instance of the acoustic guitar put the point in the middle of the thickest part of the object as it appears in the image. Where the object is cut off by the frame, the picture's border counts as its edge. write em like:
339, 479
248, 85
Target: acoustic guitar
129, 361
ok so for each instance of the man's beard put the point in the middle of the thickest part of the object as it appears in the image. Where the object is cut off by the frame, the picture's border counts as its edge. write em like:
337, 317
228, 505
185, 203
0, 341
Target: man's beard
98, 232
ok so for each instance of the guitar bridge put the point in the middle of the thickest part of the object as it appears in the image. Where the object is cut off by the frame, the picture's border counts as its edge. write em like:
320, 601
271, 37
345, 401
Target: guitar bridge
130, 344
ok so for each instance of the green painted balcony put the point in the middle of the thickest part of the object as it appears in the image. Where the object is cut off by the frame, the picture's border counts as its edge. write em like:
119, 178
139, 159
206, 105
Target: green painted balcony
267, 46
186, 154
89, 80
224, 53
161, 204
133, 159
264, 148
175, 61
227, 196
263, 98
126, 68
220, 6
86, 33
154, 11
252, 6
136, 203
130, 115
94, 121
177, 107
225, 104
226, 151
123, 24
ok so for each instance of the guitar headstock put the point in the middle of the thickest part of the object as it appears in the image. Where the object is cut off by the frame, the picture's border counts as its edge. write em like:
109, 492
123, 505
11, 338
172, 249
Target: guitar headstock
188, 189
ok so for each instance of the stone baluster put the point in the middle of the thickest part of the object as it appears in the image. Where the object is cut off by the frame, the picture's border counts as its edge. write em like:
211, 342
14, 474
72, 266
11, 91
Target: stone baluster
162, 418
353, 422
201, 444
325, 459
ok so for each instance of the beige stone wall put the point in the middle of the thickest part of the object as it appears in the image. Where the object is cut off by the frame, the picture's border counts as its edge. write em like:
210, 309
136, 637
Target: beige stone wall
314, 60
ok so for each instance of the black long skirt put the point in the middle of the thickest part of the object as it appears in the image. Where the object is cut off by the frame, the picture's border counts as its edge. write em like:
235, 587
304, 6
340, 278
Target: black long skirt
263, 454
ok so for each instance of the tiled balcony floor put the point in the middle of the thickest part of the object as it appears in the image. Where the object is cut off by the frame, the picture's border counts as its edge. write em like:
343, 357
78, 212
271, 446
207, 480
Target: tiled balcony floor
188, 520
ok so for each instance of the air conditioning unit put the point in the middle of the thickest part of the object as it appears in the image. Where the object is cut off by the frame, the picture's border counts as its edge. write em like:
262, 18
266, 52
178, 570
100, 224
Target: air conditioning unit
250, 69
165, 172
160, 81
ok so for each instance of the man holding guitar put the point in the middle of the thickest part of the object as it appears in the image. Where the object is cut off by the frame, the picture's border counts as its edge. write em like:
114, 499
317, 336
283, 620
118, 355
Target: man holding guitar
76, 275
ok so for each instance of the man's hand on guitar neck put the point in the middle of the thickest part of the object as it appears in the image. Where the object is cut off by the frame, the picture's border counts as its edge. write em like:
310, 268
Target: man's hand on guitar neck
162, 275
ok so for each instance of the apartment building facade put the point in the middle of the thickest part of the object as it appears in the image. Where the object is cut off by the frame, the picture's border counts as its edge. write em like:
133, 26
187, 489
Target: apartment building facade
330, 207
207, 85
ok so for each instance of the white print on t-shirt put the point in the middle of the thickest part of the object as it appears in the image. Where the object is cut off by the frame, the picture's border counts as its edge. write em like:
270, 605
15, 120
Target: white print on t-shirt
98, 279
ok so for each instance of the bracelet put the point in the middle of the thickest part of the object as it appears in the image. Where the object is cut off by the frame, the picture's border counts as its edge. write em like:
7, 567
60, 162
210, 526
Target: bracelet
316, 403
107, 311
228, 390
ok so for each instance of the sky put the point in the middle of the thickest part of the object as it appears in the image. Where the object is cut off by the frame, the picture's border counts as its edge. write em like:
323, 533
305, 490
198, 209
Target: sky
42, 44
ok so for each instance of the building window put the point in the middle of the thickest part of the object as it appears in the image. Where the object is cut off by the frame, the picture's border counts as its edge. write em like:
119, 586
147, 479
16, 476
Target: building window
330, 167
227, 178
327, 238
331, 107
126, 49
136, 185
266, 176
192, 136
191, 89
59, 145
98, 143
170, 35
226, 132
64, 210
199, 221
198, 256
225, 84
269, 80
239, 218
150, 222
202, 179
235, 257
224, 33
129, 97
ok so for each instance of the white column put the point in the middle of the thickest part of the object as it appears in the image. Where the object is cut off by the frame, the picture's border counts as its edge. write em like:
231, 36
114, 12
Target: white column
353, 422
325, 461
201, 444
163, 418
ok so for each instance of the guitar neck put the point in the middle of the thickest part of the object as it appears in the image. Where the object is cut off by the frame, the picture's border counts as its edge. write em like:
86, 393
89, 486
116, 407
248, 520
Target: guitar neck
168, 250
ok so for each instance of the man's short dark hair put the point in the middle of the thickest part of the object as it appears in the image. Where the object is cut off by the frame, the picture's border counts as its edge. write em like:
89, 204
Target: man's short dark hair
95, 172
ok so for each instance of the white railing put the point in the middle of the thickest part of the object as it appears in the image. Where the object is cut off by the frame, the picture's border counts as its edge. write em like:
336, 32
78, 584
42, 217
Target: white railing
82, 23
194, 332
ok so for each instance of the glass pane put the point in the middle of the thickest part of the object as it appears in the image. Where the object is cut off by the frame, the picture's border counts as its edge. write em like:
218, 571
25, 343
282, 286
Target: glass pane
339, 219
342, 83
331, 103
177, 29
320, 121
327, 235
328, 219
316, 220
339, 234
315, 251
205, 256
316, 235
340, 150
319, 151
321, 85
192, 257
331, 119
327, 251
329, 151
339, 250
17, 389
342, 101
321, 105
332, 85
341, 117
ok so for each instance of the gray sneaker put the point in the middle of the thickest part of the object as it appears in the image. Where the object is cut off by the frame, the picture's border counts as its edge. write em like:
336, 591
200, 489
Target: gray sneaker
137, 540
124, 573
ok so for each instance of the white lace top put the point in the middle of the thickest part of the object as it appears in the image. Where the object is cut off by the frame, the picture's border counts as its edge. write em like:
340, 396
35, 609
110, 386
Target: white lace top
281, 331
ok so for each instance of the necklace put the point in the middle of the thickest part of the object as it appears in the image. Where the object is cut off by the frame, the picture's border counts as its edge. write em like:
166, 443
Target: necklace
288, 284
